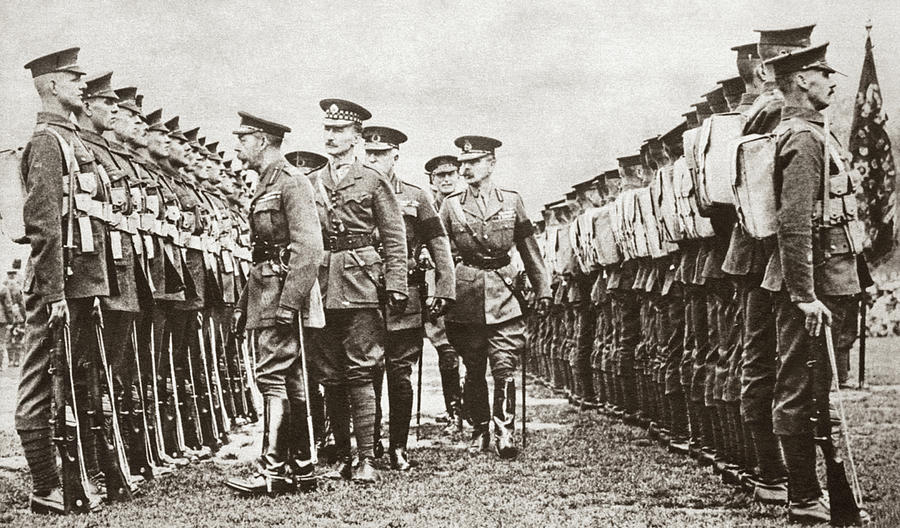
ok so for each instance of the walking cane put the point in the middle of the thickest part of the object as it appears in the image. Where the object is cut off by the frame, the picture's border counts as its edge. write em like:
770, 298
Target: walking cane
419, 395
863, 307
524, 396
313, 454
845, 433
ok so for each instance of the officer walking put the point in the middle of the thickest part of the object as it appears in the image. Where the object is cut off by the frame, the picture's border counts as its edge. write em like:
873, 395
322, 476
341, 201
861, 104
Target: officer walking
403, 345
287, 249
486, 323
443, 175
353, 201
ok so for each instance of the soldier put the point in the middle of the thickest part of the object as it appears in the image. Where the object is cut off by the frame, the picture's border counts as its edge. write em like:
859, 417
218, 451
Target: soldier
287, 250
746, 260
403, 345
486, 323
443, 175
815, 270
53, 295
354, 200
8, 317
120, 308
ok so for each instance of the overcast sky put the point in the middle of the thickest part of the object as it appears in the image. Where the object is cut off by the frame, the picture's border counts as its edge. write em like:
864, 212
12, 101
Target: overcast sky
567, 86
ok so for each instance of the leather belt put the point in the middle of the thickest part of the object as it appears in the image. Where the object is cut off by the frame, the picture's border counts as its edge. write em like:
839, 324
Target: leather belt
348, 241
264, 253
486, 263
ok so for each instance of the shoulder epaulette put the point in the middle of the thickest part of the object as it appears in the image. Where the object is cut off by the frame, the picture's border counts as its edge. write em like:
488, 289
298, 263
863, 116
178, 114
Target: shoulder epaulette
416, 187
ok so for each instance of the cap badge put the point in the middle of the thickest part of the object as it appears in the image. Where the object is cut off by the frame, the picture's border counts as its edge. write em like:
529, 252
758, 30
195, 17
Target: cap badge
333, 109
376, 138
467, 146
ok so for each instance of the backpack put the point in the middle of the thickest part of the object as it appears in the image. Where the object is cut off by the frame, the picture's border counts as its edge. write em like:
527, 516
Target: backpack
12, 199
686, 206
712, 179
662, 190
606, 249
752, 181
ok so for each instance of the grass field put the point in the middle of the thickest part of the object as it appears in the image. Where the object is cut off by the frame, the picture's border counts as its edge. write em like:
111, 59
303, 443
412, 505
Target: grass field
580, 469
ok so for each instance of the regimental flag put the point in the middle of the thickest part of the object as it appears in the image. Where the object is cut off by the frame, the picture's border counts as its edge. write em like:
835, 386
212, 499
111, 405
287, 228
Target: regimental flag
870, 147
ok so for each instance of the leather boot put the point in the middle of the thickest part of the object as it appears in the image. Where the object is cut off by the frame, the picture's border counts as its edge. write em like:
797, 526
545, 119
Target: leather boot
338, 406
271, 472
800, 460
302, 468
481, 439
398, 429
505, 418
365, 472
378, 383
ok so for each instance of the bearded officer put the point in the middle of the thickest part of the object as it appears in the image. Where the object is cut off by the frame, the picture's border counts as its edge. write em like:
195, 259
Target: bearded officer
354, 201
287, 250
443, 175
403, 345
486, 323
815, 271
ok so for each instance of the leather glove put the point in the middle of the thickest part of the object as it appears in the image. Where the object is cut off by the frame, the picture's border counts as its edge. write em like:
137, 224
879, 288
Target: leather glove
238, 321
438, 306
284, 316
396, 302
543, 306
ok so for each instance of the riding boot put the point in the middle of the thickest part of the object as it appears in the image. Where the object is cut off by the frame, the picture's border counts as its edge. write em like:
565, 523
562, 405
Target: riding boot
302, 467
338, 407
271, 476
505, 417
378, 385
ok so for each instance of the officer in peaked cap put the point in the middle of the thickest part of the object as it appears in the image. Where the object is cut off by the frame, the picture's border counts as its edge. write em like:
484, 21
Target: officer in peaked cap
403, 346
443, 175
821, 269
486, 323
55, 293
287, 250
354, 201
306, 161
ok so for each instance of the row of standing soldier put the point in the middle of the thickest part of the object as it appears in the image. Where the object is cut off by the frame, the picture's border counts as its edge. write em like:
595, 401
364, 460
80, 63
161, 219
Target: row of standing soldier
713, 336
139, 249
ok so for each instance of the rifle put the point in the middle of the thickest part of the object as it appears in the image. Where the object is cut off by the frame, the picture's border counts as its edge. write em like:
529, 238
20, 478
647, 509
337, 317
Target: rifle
253, 394
148, 432
116, 470
210, 404
216, 379
190, 389
846, 502
176, 404
141, 456
245, 401
228, 393
79, 494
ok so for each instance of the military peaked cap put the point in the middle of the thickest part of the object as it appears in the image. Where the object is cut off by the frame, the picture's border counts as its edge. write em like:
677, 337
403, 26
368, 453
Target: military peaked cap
250, 124
800, 60
303, 159
175, 130
58, 61
154, 119
383, 138
442, 164
127, 98
474, 147
341, 112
